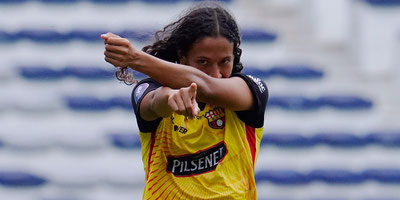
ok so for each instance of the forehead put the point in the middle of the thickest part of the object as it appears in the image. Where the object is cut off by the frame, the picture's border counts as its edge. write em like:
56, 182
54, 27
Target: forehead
212, 47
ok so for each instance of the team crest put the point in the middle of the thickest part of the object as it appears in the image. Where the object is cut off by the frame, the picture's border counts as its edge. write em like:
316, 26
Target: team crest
216, 118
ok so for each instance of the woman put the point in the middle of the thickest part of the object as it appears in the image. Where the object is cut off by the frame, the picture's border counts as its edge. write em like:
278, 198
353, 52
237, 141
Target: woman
200, 119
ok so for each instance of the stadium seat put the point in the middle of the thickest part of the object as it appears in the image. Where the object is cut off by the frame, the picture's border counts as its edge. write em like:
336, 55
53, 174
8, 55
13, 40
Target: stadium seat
86, 35
86, 103
42, 35
90, 73
294, 103
345, 102
286, 140
20, 179
13, 1
383, 175
59, 1
142, 35
257, 72
282, 177
125, 141
39, 73
7, 37
161, 1
388, 139
339, 139
336, 176
256, 35
122, 102
296, 72
383, 2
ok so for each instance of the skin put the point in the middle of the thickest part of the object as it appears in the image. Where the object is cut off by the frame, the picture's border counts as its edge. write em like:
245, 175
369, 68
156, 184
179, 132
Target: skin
203, 75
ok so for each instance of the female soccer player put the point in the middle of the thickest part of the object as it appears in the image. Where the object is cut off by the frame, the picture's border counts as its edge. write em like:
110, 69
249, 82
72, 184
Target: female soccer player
200, 119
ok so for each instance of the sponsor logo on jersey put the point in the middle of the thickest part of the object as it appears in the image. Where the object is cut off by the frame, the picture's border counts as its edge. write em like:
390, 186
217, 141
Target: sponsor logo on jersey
258, 82
216, 118
194, 164
139, 91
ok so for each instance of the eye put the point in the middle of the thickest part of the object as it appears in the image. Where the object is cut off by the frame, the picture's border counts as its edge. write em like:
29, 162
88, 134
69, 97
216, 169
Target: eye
202, 62
226, 61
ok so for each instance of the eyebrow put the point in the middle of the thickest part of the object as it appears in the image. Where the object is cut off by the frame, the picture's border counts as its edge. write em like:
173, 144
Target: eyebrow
203, 57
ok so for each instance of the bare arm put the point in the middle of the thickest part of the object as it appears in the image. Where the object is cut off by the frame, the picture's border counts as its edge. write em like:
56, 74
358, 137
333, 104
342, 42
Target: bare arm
163, 101
232, 93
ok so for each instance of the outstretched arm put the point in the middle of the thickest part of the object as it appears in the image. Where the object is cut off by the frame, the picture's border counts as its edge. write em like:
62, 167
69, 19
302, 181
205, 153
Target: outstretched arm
232, 93
163, 101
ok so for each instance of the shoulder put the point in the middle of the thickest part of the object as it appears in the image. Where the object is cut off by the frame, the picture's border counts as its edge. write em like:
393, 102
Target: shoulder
255, 116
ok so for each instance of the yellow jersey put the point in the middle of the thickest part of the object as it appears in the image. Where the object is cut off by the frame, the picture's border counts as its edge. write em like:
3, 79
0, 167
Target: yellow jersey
209, 157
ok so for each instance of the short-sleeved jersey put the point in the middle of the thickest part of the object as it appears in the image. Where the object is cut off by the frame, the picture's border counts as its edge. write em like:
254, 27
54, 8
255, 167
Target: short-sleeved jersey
209, 157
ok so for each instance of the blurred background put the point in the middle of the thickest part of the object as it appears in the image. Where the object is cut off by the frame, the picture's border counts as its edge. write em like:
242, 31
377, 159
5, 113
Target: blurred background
332, 125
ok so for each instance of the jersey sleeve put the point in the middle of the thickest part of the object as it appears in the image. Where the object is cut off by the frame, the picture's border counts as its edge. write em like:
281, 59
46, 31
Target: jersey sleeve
139, 91
259, 90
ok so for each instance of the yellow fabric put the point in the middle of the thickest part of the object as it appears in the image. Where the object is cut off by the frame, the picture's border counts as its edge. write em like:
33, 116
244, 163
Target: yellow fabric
176, 136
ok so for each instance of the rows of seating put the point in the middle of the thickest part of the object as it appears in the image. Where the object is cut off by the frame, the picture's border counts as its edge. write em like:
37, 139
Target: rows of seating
94, 73
141, 35
383, 2
293, 103
335, 176
131, 141
103, 1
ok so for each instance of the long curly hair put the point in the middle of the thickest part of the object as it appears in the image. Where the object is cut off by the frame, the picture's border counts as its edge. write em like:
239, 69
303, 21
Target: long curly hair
205, 20
208, 19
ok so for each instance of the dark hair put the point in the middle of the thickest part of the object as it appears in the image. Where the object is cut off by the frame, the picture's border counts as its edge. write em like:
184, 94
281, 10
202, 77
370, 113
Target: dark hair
205, 20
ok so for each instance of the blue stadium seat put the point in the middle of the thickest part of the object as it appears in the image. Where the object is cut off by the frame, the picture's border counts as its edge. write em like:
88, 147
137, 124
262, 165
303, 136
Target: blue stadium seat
161, 1
125, 141
257, 72
286, 140
87, 103
59, 1
296, 72
41, 35
39, 73
20, 179
255, 35
7, 37
339, 139
122, 102
13, 1
388, 139
345, 102
86, 35
92, 73
281, 177
383, 2
138, 35
336, 176
383, 175
295, 103
110, 1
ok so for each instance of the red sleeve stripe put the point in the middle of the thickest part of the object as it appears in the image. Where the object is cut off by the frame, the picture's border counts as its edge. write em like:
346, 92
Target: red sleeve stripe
251, 139
153, 138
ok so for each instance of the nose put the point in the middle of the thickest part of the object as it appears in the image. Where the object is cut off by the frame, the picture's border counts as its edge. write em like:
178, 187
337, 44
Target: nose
214, 71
